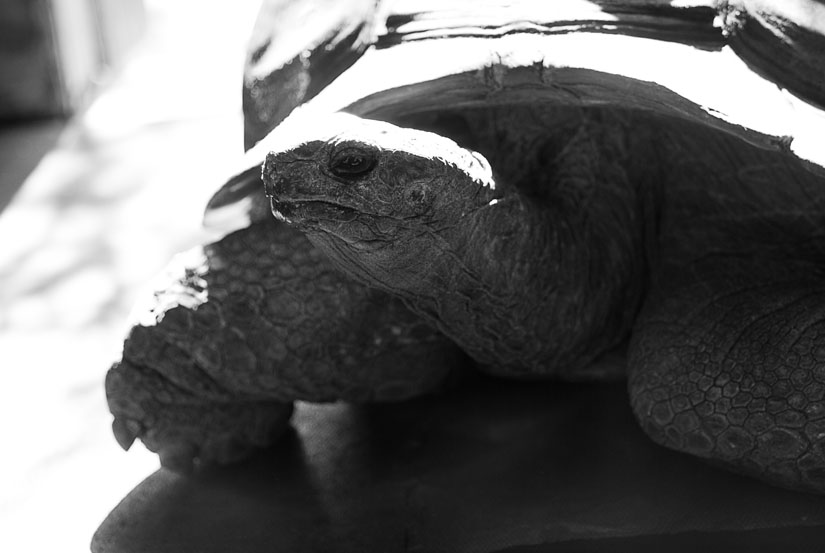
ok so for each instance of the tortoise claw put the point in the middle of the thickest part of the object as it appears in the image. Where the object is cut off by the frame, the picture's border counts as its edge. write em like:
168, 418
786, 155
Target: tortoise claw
125, 431
178, 458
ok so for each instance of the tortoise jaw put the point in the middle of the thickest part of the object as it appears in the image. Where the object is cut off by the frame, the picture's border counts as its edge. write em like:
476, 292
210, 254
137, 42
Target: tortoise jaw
324, 220
308, 210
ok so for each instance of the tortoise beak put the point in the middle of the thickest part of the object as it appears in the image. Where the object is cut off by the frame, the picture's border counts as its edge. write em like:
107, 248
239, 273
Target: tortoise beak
275, 186
273, 175
285, 181
296, 192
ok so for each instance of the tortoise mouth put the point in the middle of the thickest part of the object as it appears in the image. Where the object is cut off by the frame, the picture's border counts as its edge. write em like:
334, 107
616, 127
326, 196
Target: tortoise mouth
311, 209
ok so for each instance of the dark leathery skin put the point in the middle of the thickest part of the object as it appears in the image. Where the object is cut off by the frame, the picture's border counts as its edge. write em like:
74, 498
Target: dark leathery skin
186, 429
731, 368
722, 244
240, 328
727, 360
533, 277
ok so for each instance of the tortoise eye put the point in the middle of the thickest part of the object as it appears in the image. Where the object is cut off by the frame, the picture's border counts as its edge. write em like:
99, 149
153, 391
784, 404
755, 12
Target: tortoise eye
351, 163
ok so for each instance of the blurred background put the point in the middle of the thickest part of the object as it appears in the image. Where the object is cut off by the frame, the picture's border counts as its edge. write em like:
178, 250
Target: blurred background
118, 119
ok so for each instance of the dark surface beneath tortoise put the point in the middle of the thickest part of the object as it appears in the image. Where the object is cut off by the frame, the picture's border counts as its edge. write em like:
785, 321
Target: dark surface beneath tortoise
493, 466
590, 214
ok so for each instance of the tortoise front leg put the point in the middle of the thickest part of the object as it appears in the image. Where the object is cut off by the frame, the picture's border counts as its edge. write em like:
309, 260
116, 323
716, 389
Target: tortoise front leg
238, 329
184, 428
727, 362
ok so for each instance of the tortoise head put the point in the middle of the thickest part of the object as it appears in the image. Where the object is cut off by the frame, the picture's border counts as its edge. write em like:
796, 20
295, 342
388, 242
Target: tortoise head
375, 195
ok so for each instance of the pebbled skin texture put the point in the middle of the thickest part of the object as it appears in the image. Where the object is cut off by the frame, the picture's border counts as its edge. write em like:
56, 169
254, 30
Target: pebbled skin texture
736, 373
237, 330
594, 228
727, 359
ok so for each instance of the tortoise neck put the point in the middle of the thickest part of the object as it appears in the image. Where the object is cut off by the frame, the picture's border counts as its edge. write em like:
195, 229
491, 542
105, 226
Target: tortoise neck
543, 285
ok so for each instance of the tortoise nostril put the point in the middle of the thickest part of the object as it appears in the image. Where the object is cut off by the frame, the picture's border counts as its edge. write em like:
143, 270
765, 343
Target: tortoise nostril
273, 181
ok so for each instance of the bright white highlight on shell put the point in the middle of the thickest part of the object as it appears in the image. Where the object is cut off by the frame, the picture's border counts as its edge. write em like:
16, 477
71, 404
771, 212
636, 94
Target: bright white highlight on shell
386, 136
342, 127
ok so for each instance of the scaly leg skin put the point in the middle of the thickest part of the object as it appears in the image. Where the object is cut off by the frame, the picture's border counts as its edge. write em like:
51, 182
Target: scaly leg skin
183, 428
727, 362
237, 330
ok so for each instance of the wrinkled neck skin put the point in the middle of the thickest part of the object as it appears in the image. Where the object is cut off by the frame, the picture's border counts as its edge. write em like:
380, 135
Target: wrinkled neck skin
538, 286
535, 291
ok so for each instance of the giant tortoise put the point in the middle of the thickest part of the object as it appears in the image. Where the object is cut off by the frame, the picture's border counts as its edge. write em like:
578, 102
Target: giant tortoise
562, 190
